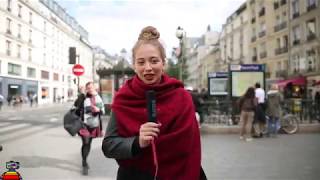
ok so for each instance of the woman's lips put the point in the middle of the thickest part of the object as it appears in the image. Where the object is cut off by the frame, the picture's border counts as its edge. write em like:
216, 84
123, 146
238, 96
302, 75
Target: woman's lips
149, 76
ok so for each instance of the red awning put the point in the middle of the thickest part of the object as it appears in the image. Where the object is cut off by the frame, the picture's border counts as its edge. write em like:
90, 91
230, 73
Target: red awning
316, 83
294, 81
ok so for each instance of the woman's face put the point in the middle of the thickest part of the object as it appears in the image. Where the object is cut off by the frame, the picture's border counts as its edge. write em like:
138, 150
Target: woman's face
148, 64
90, 89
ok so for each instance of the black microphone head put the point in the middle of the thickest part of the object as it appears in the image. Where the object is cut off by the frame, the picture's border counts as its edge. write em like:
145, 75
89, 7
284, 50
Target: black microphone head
151, 106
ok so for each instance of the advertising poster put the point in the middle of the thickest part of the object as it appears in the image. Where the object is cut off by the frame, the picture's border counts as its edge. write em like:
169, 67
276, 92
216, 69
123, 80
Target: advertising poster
106, 90
218, 83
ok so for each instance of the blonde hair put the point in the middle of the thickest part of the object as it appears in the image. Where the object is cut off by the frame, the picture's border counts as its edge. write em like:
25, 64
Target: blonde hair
149, 35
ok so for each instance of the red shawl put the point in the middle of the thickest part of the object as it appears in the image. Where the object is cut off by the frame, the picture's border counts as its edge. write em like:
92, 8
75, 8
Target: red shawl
178, 145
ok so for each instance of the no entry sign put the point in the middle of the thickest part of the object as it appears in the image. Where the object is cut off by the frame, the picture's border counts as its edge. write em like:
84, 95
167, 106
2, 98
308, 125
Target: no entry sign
78, 69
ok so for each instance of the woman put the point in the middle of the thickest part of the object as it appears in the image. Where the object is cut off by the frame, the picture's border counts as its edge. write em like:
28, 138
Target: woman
273, 109
168, 149
91, 107
247, 104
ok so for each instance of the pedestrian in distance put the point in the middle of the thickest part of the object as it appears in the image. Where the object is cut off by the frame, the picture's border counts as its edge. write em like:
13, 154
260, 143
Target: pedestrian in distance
247, 106
273, 110
90, 108
1, 101
168, 148
260, 116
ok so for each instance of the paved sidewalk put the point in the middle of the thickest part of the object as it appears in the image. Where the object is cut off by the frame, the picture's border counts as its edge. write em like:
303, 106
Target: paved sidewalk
235, 129
27, 107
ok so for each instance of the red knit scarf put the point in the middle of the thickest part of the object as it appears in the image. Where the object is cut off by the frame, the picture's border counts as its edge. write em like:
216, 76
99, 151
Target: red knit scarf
178, 145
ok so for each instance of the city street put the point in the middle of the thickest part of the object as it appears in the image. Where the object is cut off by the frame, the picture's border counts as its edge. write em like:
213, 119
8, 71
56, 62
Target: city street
36, 139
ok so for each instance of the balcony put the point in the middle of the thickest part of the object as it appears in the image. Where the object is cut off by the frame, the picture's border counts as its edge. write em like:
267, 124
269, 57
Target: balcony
280, 26
276, 5
262, 12
311, 37
263, 55
296, 42
253, 39
283, 2
254, 58
281, 50
282, 73
295, 15
311, 7
8, 31
262, 33
253, 20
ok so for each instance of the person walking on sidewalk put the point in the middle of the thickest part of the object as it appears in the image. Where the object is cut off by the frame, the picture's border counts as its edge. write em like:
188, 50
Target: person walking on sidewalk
260, 116
166, 149
90, 108
273, 110
247, 106
1, 101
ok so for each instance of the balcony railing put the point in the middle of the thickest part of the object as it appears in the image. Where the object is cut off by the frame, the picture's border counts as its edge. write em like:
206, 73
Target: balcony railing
282, 73
311, 37
283, 2
253, 39
311, 7
262, 33
295, 15
263, 55
281, 50
253, 20
276, 5
254, 58
281, 26
296, 42
262, 12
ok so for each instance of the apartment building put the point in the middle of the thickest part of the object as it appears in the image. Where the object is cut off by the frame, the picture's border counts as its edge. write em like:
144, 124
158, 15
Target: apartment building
35, 37
305, 39
234, 39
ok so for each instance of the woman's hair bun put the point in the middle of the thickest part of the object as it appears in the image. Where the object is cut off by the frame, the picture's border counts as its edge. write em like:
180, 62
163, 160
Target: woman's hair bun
149, 33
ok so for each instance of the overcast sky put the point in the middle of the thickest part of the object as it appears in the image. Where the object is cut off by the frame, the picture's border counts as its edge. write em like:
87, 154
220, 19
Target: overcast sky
115, 24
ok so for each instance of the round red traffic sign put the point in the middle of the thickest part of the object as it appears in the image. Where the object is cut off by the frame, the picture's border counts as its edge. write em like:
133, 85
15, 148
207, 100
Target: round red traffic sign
78, 69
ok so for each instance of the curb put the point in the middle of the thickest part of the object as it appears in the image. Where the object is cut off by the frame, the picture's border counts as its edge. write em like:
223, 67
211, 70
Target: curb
213, 129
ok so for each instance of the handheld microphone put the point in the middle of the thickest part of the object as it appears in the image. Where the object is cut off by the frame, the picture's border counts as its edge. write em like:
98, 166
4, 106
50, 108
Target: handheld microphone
151, 106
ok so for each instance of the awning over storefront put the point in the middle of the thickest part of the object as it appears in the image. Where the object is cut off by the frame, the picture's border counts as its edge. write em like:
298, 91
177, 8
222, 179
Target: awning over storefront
294, 81
317, 83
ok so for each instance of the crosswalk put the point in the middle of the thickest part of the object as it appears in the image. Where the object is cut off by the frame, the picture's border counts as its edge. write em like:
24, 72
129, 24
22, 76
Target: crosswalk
18, 127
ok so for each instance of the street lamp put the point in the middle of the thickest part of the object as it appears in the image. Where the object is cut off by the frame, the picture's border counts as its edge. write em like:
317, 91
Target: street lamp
180, 34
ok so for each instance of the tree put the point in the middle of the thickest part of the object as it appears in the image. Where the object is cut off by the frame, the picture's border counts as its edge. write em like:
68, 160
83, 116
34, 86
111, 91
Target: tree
172, 69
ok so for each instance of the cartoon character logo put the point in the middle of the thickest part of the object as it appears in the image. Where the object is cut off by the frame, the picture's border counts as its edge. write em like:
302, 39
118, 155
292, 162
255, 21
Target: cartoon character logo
11, 174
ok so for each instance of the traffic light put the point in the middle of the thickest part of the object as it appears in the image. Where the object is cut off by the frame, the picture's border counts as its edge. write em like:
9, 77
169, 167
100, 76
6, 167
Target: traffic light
72, 55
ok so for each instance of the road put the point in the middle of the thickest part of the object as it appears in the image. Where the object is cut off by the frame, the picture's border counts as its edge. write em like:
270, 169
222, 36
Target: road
36, 138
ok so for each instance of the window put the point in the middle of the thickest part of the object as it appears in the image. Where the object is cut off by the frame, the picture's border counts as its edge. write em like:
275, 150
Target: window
19, 51
278, 43
30, 36
311, 58
278, 20
8, 26
55, 76
295, 8
311, 3
44, 75
9, 5
19, 10
19, 31
31, 72
30, 17
30, 54
14, 69
44, 42
296, 34
8, 45
311, 29
44, 26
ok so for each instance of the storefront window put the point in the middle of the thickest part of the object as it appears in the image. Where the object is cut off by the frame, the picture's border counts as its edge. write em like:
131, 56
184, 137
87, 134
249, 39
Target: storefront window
44, 92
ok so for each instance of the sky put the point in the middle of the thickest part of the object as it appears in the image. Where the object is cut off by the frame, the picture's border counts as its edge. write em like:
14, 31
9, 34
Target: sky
116, 24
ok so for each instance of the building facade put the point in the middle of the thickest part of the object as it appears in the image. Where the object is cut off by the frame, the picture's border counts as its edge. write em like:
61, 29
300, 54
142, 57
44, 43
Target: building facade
35, 37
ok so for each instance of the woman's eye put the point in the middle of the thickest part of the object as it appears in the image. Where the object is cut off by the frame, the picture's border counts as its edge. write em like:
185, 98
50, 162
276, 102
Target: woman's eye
154, 60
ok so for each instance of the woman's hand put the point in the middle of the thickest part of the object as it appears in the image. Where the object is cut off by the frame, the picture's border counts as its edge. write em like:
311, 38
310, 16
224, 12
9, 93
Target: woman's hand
148, 131
95, 109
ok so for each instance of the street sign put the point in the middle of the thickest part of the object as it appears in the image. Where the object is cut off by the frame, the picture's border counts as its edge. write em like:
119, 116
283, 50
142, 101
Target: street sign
78, 69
